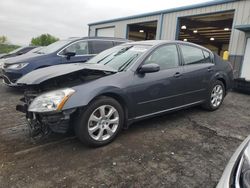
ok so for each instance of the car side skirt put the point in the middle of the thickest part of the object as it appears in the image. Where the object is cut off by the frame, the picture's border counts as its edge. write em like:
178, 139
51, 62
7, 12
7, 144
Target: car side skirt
130, 121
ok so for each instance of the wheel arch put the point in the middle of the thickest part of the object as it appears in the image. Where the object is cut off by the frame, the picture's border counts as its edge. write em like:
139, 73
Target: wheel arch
223, 81
221, 77
121, 100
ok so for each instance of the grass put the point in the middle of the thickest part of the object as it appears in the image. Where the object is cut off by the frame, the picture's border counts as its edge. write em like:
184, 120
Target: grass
6, 48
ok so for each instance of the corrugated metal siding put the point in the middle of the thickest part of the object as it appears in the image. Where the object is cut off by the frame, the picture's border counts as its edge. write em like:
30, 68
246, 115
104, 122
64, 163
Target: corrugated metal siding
237, 42
121, 26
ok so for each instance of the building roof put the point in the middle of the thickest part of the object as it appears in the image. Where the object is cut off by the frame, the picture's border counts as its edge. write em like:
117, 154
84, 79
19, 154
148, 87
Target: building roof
200, 5
244, 28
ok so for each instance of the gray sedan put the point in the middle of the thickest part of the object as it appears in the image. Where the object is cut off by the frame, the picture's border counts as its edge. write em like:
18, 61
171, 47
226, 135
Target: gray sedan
124, 84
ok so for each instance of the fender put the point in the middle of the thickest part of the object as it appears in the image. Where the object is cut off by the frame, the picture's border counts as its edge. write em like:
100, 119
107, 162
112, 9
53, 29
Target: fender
81, 98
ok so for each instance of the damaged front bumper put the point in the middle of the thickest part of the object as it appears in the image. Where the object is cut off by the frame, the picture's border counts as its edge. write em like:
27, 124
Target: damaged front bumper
41, 124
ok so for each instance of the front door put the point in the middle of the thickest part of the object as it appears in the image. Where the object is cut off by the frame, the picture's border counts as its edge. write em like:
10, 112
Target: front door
159, 91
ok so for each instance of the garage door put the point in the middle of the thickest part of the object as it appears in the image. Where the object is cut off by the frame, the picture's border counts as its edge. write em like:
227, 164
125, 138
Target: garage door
106, 32
246, 63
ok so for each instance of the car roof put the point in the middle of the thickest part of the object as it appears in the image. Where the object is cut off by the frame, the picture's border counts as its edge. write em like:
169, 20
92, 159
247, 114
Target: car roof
160, 42
98, 38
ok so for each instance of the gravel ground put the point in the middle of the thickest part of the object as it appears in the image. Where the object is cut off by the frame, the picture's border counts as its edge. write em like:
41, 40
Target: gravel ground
189, 148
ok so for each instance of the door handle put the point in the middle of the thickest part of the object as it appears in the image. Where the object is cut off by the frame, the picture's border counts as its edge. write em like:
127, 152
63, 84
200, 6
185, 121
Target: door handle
177, 74
210, 69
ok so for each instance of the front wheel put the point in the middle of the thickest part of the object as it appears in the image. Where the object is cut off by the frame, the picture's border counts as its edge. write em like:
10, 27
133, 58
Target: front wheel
216, 96
100, 122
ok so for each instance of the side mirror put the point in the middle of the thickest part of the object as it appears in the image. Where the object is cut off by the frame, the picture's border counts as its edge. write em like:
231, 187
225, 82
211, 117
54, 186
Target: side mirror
69, 55
148, 68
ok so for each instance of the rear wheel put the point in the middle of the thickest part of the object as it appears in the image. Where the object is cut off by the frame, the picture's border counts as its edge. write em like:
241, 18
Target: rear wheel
100, 122
216, 96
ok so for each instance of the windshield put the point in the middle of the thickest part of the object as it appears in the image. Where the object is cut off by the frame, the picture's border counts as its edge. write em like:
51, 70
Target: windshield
120, 57
53, 47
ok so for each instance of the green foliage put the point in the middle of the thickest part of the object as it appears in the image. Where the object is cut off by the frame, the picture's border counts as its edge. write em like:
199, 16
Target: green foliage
3, 39
43, 40
6, 48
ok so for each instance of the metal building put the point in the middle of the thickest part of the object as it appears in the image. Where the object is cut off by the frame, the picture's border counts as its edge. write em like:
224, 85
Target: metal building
220, 25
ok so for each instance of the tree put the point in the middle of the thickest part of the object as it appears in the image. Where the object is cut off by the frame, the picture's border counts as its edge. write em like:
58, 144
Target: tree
3, 39
43, 40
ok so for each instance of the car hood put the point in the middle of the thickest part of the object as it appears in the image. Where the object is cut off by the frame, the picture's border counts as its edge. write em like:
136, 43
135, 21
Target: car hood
40, 75
22, 58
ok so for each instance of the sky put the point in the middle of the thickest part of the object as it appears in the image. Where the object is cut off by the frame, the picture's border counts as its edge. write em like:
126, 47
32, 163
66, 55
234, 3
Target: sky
20, 20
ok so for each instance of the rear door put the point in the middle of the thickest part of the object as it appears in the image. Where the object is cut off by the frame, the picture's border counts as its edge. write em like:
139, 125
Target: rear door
198, 71
81, 50
159, 91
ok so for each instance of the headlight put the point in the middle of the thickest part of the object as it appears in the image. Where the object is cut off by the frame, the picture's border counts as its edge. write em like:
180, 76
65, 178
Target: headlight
51, 101
18, 66
243, 170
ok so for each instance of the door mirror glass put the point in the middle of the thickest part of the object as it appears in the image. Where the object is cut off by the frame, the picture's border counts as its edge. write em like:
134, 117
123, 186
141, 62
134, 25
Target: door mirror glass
148, 68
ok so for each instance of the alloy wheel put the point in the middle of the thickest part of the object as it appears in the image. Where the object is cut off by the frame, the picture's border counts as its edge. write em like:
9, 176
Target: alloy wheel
217, 96
103, 122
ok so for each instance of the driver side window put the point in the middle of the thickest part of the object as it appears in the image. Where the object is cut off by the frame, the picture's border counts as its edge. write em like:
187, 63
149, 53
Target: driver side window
79, 48
165, 56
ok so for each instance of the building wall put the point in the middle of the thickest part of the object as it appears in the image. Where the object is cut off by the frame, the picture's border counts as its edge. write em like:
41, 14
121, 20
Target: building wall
242, 16
121, 26
169, 26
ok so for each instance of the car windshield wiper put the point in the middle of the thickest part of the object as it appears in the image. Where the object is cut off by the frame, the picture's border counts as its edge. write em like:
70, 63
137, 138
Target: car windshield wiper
103, 59
124, 65
123, 50
118, 53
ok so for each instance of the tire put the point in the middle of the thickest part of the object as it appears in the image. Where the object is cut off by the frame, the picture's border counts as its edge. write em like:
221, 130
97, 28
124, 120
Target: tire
215, 97
94, 128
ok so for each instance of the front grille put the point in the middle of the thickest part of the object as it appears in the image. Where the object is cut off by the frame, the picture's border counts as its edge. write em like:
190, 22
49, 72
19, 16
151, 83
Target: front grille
10, 77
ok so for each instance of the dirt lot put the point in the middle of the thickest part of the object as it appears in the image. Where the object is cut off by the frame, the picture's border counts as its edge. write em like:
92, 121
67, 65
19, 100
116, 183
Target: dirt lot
189, 148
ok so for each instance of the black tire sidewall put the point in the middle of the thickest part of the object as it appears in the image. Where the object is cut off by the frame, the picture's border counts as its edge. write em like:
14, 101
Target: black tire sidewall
81, 123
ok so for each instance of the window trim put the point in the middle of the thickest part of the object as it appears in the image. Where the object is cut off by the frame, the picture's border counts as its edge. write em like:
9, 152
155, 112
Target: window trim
150, 53
87, 40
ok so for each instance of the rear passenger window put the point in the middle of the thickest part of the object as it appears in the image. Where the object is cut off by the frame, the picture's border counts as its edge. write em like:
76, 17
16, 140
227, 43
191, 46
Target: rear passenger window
165, 56
192, 55
98, 46
207, 57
